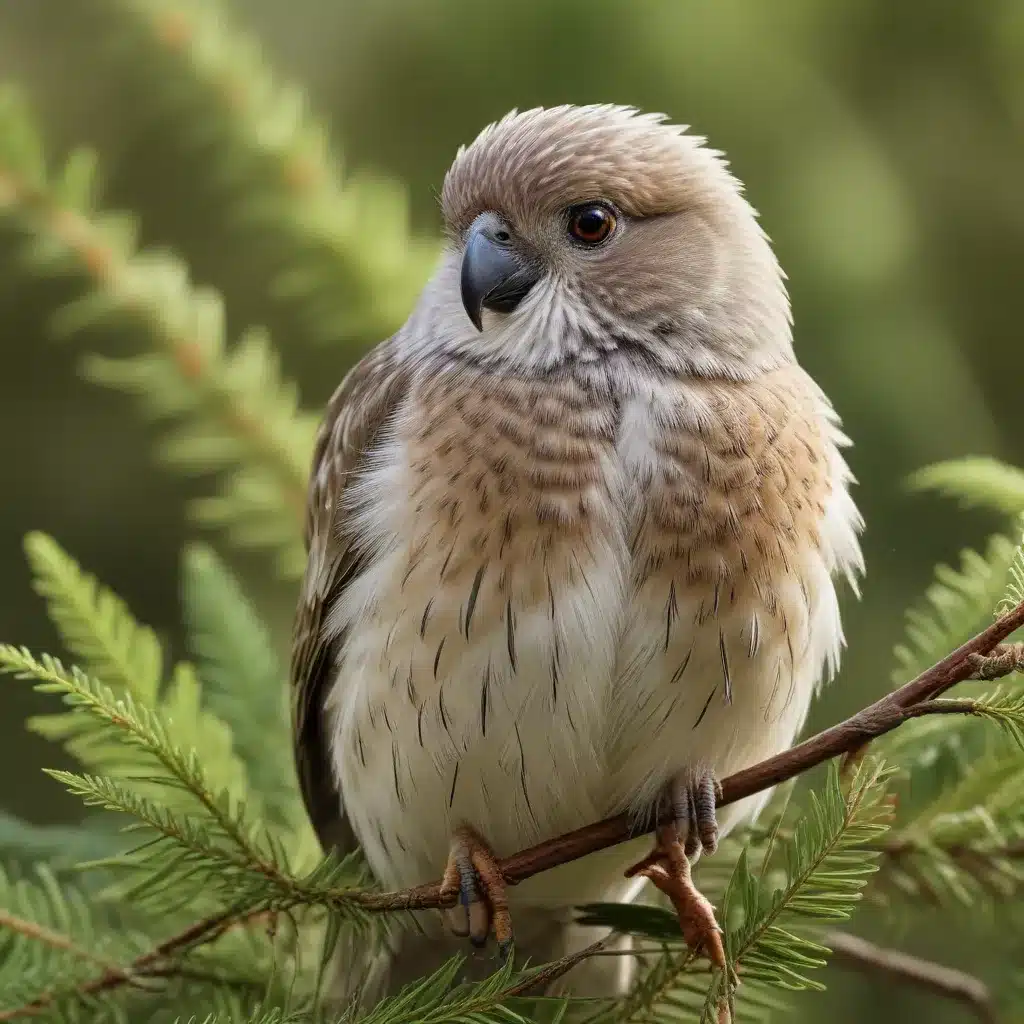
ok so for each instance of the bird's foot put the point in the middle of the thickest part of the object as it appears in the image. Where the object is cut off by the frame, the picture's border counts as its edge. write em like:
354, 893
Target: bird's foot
473, 875
694, 829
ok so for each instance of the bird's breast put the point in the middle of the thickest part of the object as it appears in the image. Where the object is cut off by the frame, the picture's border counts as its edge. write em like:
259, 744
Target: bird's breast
481, 639
732, 617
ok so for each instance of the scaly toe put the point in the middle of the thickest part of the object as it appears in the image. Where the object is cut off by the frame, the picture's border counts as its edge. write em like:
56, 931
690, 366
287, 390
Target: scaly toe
695, 913
693, 803
473, 876
705, 794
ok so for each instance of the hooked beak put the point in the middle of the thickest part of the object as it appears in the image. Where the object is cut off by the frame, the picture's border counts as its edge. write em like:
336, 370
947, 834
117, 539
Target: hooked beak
494, 275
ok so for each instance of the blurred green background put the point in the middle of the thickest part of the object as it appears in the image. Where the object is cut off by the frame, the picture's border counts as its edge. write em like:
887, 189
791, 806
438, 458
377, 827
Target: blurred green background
883, 144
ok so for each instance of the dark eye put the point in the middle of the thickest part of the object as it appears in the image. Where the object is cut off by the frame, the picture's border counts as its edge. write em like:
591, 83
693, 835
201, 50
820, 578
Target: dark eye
591, 223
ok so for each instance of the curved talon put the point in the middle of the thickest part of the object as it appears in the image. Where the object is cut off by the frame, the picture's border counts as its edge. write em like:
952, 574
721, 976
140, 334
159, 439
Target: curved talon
473, 874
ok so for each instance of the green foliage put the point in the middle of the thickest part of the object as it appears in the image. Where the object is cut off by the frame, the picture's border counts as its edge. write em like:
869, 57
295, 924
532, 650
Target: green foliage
958, 604
98, 629
342, 251
434, 1000
50, 940
229, 413
59, 847
1014, 593
243, 681
94, 623
828, 861
960, 830
812, 877
958, 835
976, 482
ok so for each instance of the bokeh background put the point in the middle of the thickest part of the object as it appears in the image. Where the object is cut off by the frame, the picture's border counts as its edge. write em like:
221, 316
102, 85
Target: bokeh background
883, 144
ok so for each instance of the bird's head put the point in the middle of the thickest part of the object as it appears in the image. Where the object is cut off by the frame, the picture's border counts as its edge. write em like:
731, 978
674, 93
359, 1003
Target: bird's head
578, 232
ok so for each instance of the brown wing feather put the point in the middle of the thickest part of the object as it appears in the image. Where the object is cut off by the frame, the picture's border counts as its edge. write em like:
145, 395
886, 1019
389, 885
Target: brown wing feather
357, 411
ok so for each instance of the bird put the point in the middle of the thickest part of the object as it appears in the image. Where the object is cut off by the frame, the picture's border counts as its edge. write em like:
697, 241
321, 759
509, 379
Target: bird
575, 533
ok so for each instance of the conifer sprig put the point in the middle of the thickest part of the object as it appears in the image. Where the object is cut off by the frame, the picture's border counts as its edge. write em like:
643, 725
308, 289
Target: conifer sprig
95, 625
243, 682
344, 257
976, 482
230, 412
769, 918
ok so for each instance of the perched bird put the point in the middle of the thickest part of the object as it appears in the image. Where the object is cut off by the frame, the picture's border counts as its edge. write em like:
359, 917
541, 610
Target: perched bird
572, 530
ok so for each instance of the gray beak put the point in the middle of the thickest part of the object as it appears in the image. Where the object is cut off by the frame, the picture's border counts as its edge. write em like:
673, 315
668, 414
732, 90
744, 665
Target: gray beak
494, 274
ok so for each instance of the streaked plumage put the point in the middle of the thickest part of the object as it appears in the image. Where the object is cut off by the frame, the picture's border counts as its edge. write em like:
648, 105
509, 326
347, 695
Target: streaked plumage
558, 561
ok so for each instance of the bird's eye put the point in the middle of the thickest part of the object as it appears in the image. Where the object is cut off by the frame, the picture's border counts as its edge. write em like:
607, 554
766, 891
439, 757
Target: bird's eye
591, 223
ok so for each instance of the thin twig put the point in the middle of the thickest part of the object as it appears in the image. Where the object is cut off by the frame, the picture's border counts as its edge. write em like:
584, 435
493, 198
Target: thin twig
876, 720
152, 964
554, 970
860, 955
945, 706
56, 940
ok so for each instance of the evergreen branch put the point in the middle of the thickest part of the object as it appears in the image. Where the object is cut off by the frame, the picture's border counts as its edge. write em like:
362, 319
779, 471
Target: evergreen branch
879, 718
976, 481
39, 933
143, 729
60, 847
157, 962
1006, 711
97, 741
823, 881
342, 250
960, 836
828, 859
955, 606
858, 954
52, 940
233, 414
243, 683
94, 623
431, 999
1013, 850
1015, 587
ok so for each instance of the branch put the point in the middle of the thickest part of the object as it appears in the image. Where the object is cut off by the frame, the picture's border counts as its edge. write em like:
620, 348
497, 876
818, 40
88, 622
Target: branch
1010, 851
121, 278
886, 714
342, 249
230, 412
156, 963
908, 702
860, 955
55, 940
